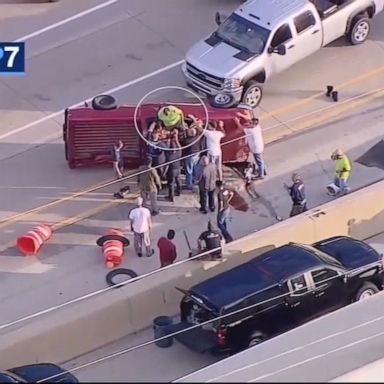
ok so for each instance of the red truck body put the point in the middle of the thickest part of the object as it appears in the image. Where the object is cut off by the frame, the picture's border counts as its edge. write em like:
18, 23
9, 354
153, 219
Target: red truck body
89, 134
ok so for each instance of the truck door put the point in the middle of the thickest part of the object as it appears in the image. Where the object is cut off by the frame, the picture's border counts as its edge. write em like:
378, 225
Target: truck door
335, 25
282, 36
328, 289
300, 298
308, 34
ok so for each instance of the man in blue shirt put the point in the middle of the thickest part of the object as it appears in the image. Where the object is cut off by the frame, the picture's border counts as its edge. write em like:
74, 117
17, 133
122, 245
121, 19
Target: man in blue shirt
297, 193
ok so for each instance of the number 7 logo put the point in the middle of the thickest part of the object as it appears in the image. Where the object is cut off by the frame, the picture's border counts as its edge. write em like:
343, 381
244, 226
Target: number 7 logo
14, 50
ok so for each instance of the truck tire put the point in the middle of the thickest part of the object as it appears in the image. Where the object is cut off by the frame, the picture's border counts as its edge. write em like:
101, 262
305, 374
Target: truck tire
119, 271
104, 102
222, 101
365, 291
252, 94
359, 30
255, 338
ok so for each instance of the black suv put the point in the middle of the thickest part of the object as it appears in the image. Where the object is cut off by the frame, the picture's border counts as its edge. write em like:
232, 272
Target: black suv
292, 284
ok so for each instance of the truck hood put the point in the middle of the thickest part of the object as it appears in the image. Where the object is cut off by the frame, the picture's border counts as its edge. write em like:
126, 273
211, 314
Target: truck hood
218, 58
350, 252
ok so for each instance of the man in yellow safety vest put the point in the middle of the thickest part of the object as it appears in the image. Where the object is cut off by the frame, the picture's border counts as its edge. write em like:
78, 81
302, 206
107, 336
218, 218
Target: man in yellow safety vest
343, 170
171, 116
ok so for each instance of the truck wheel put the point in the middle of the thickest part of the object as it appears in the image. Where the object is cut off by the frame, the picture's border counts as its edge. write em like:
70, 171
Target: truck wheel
252, 94
255, 338
222, 100
104, 102
359, 30
365, 291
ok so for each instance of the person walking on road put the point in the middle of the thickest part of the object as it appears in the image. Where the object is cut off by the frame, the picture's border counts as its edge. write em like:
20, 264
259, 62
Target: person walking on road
117, 159
255, 141
343, 171
213, 135
150, 184
141, 224
297, 193
174, 168
207, 185
224, 197
167, 249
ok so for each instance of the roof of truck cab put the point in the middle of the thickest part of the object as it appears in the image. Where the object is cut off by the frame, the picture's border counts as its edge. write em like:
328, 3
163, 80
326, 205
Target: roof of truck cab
258, 274
269, 13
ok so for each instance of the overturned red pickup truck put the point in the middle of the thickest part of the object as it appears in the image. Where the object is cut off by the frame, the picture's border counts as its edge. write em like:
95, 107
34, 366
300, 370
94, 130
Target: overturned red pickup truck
89, 132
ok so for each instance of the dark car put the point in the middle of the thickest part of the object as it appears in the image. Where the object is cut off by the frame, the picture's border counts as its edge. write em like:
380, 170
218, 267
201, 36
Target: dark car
37, 373
283, 288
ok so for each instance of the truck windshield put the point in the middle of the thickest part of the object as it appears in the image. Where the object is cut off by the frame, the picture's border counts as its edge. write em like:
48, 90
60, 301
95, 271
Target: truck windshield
243, 34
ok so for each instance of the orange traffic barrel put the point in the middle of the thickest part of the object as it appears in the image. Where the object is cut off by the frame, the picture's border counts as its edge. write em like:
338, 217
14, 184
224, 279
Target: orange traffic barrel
113, 243
30, 243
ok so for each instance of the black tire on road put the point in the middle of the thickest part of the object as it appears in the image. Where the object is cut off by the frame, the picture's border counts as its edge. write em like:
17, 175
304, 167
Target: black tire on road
222, 101
104, 102
359, 30
253, 93
366, 290
116, 272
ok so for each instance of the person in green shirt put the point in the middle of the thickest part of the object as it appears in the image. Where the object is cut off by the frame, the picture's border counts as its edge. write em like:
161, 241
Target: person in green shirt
343, 170
171, 116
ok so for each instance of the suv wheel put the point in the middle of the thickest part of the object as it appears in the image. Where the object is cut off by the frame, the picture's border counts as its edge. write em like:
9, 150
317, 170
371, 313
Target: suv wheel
222, 100
255, 338
359, 30
252, 94
365, 291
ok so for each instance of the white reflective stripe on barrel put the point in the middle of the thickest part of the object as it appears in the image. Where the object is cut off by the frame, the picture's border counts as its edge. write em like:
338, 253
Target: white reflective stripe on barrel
45, 232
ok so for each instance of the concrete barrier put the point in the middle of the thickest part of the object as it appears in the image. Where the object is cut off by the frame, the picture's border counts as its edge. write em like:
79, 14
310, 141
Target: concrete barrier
87, 325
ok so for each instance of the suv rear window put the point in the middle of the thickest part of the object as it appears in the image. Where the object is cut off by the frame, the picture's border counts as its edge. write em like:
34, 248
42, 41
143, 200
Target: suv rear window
304, 21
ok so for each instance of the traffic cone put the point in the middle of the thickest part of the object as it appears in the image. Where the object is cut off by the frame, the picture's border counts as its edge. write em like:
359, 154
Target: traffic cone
30, 243
113, 243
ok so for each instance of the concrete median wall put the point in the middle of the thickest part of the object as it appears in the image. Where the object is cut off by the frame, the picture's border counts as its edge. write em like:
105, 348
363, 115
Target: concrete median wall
87, 325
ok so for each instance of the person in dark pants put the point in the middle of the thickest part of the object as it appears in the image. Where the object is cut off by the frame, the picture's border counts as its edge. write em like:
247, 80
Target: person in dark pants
174, 168
212, 240
207, 185
192, 144
297, 193
167, 249
157, 151
224, 197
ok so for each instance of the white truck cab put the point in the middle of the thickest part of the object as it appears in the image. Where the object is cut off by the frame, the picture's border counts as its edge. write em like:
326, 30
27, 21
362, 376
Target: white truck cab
264, 37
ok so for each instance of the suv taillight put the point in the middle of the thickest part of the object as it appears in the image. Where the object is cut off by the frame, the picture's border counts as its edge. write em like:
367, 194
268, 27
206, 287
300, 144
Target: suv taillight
222, 336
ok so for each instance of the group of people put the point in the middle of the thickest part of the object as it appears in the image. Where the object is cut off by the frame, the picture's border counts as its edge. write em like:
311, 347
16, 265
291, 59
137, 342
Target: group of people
176, 142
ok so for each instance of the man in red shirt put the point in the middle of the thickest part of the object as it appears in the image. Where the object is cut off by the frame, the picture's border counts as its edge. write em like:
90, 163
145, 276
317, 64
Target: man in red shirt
167, 249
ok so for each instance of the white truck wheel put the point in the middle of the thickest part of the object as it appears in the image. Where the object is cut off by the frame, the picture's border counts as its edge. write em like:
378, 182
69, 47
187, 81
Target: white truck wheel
359, 30
253, 94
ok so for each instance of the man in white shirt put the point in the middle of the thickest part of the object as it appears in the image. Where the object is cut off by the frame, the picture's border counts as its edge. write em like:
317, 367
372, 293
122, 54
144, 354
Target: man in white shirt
254, 138
213, 141
141, 224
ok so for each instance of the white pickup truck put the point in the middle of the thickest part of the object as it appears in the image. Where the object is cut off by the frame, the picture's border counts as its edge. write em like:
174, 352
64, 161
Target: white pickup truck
264, 37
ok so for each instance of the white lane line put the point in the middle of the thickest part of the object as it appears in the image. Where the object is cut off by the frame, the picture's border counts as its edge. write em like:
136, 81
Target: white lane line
116, 89
319, 356
65, 21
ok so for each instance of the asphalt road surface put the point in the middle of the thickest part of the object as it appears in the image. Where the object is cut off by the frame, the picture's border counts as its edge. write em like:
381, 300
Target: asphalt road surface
77, 49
